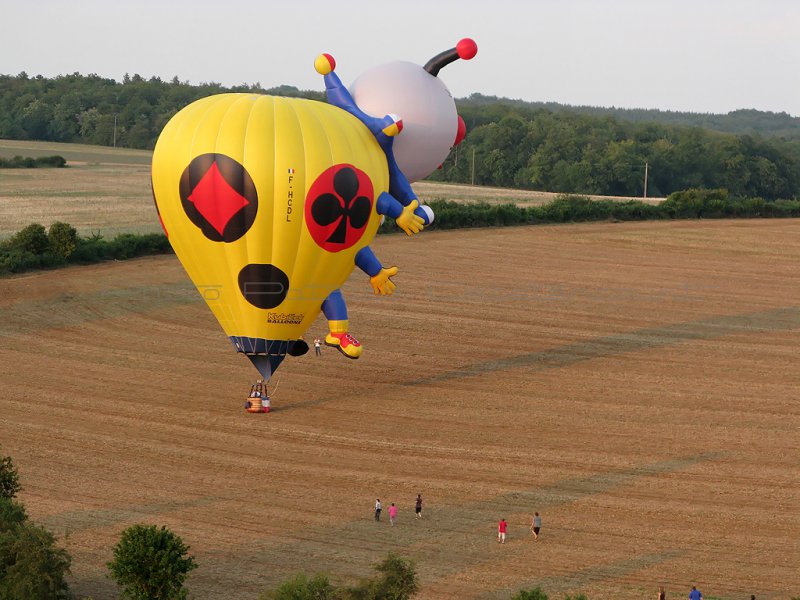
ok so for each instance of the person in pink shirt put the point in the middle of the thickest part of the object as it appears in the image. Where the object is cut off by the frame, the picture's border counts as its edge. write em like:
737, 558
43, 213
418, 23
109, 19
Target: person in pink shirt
501, 531
392, 513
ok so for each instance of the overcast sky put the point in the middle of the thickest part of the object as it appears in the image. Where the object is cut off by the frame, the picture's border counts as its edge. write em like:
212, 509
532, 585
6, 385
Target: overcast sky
687, 55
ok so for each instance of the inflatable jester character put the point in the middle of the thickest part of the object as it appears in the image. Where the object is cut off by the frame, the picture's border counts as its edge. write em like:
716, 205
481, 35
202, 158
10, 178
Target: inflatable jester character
434, 129
270, 202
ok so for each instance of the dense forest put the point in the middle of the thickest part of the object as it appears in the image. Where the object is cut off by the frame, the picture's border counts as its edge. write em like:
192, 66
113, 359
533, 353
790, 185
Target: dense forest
510, 143
570, 152
738, 121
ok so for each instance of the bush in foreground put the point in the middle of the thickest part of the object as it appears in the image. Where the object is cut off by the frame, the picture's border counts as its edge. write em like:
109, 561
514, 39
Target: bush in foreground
300, 587
537, 594
396, 579
9, 478
151, 563
534, 594
32, 567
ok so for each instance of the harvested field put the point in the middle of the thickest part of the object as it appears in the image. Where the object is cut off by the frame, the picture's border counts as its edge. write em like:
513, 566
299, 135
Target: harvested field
103, 190
107, 190
432, 190
635, 383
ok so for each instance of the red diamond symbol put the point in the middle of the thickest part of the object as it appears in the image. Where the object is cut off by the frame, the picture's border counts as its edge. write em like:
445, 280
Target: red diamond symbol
216, 200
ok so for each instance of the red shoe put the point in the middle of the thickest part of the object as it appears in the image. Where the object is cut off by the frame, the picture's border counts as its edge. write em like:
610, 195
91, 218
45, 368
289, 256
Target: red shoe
346, 343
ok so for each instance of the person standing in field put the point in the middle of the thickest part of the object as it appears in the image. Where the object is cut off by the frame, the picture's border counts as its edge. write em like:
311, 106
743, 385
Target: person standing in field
662, 595
392, 513
317, 344
418, 506
695, 594
378, 509
536, 525
501, 531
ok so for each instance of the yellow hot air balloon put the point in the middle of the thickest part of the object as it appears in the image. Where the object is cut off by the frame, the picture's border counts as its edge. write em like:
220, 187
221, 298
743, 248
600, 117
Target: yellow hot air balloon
270, 202
266, 202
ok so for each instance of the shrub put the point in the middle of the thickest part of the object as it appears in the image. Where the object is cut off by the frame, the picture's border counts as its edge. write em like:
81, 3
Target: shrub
9, 478
63, 239
534, 594
32, 238
301, 587
17, 261
151, 563
397, 580
12, 513
26, 162
32, 567
51, 161
695, 203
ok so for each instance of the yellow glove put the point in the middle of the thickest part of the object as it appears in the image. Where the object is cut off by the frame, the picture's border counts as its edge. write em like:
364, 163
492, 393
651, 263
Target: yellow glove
382, 284
408, 221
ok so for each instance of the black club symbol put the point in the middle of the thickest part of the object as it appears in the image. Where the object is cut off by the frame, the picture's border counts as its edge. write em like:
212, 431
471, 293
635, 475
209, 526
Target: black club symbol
328, 208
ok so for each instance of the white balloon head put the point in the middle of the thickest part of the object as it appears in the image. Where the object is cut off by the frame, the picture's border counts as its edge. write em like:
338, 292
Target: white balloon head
431, 125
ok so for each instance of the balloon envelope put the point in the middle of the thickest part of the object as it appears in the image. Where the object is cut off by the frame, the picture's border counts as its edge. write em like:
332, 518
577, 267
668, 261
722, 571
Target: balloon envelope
266, 201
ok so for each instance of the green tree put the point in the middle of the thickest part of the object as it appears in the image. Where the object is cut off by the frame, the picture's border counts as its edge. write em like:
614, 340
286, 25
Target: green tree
63, 239
9, 478
32, 238
151, 563
397, 580
300, 587
32, 567
12, 513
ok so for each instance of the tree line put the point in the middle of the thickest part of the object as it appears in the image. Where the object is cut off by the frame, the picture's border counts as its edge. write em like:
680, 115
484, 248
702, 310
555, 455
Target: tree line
577, 153
741, 121
96, 110
509, 143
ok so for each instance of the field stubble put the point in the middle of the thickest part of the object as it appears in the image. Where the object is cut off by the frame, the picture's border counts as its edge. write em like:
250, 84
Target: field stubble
636, 383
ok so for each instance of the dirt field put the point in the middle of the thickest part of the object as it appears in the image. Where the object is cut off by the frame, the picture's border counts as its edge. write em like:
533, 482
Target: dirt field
635, 383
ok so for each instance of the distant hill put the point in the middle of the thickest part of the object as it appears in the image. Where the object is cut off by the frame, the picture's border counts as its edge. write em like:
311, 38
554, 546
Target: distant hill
742, 122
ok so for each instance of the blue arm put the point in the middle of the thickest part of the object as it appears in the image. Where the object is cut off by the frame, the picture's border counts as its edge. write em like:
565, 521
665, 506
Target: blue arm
368, 262
339, 95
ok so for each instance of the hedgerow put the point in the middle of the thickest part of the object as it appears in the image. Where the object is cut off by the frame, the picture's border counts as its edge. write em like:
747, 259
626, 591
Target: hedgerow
36, 248
26, 162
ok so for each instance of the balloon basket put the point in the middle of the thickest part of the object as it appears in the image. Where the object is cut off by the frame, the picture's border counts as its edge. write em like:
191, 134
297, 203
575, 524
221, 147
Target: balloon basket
256, 407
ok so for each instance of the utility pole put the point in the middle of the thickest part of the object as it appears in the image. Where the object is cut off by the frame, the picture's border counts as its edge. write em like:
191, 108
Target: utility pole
115, 130
645, 179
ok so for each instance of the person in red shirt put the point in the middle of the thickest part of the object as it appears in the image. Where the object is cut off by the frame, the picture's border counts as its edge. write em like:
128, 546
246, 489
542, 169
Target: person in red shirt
501, 531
